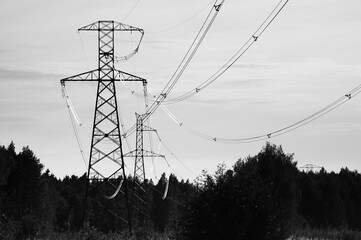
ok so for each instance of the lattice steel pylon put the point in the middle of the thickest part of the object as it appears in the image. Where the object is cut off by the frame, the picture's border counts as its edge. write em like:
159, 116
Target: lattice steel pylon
106, 185
139, 194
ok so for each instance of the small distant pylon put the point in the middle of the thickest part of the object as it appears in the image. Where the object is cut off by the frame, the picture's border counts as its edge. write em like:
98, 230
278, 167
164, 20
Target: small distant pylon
139, 193
310, 168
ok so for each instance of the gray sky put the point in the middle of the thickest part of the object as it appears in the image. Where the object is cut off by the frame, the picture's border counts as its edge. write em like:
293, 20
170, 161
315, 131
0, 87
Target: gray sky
306, 59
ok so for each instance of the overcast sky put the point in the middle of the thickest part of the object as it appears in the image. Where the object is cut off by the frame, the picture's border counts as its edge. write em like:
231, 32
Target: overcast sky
308, 57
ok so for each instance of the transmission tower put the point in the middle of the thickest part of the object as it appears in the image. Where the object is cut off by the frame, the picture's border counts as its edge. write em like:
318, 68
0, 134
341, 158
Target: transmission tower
310, 168
106, 185
139, 196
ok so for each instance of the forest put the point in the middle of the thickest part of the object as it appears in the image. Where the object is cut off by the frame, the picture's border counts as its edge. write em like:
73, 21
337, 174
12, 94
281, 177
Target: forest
264, 196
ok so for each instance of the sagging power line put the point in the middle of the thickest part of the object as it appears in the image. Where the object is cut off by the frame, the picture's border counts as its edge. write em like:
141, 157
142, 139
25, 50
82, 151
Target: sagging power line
244, 48
323, 111
185, 61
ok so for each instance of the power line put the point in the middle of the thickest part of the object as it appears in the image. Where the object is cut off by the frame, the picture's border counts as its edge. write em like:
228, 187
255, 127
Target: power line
131, 10
330, 107
185, 61
135, 51
183, 21
244, 48
133, 93
74, 121
84, 55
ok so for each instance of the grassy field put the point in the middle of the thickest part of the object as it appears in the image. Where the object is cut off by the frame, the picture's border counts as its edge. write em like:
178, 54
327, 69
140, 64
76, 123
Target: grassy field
327, 234
92, 234
145, 234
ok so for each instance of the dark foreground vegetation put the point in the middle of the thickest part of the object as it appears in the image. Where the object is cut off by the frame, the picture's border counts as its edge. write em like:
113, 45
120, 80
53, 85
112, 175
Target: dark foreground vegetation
260, 197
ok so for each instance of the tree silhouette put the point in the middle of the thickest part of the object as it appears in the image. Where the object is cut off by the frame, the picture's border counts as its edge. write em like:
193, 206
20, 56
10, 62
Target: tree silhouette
260, 197
255, 200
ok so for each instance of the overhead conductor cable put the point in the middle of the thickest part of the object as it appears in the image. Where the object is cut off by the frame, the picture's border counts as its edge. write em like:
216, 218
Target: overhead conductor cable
185, 61
116, 192
244, 48
337, 103
72, 115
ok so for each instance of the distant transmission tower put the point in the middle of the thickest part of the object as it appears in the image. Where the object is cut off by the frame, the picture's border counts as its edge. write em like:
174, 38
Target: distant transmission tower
139, 198
310, 168
106, 186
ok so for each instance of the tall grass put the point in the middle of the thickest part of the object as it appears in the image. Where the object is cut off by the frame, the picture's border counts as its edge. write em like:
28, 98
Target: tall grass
325, 234
93, 234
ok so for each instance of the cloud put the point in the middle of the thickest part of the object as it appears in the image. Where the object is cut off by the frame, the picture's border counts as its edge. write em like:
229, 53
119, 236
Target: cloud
4, 50
18, 122
12, 74
28, 99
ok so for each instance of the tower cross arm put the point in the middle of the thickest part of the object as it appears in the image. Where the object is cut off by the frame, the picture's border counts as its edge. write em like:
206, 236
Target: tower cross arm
86, 76
94, 76
146, 153
148, 129
123, 76
110, 26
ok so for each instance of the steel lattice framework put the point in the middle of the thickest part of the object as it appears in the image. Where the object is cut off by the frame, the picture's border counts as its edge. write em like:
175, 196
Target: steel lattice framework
106, 173
139, 198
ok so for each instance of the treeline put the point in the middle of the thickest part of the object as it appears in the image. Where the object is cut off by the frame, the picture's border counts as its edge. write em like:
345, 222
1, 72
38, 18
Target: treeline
261, 197
33, 202
267, 197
